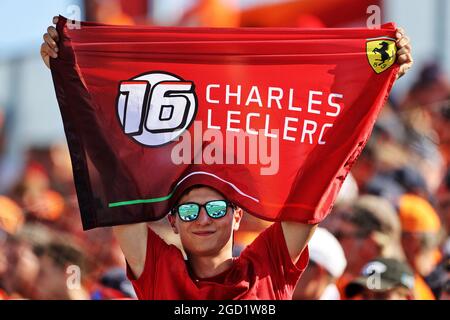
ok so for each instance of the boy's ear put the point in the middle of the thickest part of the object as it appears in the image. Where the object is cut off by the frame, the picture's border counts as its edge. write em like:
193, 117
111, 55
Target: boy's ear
237, 217
172, 219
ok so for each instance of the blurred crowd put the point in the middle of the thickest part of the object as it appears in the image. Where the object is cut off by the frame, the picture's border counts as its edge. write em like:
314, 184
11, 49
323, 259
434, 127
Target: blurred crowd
44, 254
388, 234
386, 238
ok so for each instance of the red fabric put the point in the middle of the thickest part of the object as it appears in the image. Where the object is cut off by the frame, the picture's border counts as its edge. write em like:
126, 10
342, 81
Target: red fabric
112, 168
264, 270
3, 295
135, 8
332, 12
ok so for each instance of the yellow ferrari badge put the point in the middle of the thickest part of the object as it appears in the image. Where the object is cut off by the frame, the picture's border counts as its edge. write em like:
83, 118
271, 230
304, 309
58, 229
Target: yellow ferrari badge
381, 53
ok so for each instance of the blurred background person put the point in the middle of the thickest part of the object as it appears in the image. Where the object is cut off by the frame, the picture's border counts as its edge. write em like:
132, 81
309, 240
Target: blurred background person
19, 278
383, 279
52, 282
421, 234
417, 112
326, 264
18, 264
369, 229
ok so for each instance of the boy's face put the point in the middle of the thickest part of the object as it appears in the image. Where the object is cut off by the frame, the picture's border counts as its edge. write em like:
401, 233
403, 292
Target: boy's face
357, 247
206, 236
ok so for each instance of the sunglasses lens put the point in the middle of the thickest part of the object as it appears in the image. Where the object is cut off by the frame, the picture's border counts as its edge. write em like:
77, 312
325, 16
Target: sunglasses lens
188, 211
216, 209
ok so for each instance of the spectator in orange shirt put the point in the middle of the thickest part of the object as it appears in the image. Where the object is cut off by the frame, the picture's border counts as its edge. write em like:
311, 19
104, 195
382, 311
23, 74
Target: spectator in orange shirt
421, 229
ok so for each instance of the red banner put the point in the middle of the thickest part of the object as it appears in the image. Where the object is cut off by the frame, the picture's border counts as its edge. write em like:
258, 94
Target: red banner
272, 118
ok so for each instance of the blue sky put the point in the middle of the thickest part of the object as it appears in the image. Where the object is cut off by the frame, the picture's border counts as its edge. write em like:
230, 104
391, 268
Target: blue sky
22, 23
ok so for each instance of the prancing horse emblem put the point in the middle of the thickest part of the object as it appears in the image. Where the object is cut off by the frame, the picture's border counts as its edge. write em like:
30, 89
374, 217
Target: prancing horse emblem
381, 54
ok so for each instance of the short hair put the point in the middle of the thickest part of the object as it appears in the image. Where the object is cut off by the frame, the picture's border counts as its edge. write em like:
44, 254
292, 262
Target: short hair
62, 254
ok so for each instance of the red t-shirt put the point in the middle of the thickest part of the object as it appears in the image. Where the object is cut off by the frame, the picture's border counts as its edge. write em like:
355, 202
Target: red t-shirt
264, 270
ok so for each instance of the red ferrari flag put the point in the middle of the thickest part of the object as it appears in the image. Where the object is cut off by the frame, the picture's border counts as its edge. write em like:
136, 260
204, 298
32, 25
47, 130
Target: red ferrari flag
273, 118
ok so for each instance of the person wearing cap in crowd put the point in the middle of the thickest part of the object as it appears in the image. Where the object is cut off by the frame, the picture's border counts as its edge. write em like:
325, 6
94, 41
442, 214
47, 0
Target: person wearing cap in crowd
383, 279
327, 263
206, 221
369, 229
421, 229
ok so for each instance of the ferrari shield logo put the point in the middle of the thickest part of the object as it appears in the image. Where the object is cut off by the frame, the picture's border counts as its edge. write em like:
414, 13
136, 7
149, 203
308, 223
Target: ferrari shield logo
381, 54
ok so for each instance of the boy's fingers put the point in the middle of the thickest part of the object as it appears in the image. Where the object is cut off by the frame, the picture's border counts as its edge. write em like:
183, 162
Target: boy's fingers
405, 68
402, 58
55, 19
47, 50
53, 33
410, 58
403, 50
49, 40
405, 59
43, 49
403, 42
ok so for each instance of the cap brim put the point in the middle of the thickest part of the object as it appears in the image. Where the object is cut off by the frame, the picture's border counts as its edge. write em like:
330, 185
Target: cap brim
360, 284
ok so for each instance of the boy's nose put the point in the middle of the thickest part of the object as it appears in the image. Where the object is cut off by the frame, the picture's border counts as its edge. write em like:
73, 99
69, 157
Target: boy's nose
203, 217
